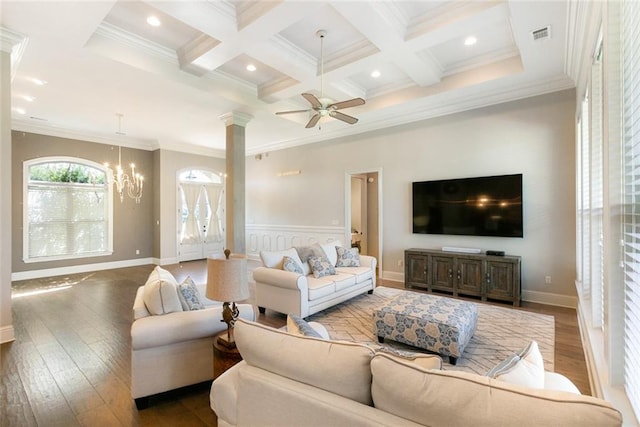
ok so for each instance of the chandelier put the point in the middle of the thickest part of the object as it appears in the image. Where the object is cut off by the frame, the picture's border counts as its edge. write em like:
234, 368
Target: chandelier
130, 184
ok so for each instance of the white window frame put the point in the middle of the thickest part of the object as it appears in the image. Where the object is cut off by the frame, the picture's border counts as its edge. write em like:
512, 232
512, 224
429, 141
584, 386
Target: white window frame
27, 164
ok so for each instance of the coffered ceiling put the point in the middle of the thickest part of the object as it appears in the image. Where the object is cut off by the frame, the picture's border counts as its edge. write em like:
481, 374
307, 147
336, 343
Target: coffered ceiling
173, 82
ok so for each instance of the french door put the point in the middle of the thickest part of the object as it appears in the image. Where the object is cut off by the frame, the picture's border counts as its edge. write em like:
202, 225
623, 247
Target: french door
200, 216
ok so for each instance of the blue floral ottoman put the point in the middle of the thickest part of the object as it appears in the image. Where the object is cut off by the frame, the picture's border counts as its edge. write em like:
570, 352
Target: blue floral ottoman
438, 324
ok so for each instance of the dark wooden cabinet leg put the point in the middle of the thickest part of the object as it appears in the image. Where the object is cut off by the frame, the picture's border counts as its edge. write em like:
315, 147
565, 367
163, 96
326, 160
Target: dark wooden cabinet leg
262, 310
142, 402
380, 340
453, 360
370, 292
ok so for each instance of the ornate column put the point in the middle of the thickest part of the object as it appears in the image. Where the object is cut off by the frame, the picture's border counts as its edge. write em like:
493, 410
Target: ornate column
235, 182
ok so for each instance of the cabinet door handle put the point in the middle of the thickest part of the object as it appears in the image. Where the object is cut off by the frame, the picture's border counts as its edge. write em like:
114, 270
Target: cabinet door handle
450, 273
488, 279
459, 275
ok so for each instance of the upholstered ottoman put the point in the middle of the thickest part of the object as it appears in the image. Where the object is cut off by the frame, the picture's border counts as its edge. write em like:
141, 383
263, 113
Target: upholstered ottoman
438, 324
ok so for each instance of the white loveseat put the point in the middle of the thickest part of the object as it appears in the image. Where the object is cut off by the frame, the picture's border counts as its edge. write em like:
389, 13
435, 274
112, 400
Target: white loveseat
292, 380
302, 293
175, 349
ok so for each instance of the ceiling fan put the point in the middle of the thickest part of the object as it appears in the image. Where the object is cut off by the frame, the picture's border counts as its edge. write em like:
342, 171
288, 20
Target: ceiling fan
324, 106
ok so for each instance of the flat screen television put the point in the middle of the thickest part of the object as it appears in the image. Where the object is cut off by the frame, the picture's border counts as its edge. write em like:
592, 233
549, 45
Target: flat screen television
482, 206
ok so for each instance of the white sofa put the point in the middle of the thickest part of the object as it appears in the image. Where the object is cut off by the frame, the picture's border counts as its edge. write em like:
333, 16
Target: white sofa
174, 350
291, 380
303, 294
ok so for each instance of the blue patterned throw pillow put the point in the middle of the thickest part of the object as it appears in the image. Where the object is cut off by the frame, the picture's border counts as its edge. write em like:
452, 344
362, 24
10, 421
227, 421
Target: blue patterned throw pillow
290, 264
320, 266
348, 257
298, 326
189, 295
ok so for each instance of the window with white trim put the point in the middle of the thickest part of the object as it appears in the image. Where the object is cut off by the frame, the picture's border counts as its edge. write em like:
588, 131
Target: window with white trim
631, 140
68, 209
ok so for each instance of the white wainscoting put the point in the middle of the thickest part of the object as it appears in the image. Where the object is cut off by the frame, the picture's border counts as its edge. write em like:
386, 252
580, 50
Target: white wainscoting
280, 237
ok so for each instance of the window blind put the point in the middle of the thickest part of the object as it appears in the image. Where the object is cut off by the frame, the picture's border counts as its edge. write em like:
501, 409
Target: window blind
596, 193
631, 140
66, 219
586, 199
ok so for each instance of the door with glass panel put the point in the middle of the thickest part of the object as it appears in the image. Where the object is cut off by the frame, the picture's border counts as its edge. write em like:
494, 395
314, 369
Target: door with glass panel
200, 215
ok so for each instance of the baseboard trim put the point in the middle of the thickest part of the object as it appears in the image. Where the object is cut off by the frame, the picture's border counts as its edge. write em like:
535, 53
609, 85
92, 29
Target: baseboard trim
393, 276
7, 334
550, 299
59, 271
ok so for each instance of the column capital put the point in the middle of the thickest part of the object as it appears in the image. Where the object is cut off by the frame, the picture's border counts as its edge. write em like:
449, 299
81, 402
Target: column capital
236, 118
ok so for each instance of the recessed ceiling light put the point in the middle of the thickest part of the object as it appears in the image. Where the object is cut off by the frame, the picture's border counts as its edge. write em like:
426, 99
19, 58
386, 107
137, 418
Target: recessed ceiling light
375, 74
153, 21
470, 41
251, 67
39, 82
28, 98
19, 110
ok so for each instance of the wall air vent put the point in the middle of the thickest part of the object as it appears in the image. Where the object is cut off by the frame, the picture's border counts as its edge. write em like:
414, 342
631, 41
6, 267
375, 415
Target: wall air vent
541, 34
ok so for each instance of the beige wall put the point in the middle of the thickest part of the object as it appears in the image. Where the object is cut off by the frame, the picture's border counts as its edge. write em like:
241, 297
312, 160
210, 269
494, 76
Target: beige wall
132, 228
170, 164
534, 137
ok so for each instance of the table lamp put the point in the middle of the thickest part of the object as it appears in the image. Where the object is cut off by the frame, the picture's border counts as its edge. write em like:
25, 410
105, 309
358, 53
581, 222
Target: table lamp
227, 282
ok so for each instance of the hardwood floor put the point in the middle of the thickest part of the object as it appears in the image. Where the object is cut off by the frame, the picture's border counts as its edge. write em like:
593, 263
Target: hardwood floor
70, 363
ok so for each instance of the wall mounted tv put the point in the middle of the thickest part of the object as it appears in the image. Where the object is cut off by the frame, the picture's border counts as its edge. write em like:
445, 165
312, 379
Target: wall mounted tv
482, 206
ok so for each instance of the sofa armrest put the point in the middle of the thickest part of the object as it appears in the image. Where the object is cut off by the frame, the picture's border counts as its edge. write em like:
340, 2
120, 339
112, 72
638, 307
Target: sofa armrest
368, 261
280, 278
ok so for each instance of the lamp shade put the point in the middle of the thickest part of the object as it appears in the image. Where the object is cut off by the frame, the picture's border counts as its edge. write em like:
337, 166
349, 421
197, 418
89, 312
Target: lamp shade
227, 279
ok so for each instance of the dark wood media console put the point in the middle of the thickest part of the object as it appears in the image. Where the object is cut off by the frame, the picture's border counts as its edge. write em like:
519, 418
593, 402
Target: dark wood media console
478, 275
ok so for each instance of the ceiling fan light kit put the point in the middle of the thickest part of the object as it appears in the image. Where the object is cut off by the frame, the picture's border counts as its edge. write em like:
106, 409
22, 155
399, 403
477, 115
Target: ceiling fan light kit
322, 106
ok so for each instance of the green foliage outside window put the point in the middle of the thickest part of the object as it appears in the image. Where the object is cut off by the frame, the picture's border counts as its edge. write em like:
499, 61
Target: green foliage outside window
66, 172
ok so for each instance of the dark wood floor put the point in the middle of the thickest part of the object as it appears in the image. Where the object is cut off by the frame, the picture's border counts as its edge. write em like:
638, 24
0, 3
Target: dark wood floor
70, 363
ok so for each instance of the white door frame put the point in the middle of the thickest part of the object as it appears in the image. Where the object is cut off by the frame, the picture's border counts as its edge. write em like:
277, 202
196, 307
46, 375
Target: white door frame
347, 209
178, 209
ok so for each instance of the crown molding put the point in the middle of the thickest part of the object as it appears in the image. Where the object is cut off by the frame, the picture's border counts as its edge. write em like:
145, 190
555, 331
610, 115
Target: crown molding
14, 44
437, 107
82, 135
126, 38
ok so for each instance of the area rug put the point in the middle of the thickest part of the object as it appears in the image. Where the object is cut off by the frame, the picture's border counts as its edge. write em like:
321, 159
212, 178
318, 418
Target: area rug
500, 331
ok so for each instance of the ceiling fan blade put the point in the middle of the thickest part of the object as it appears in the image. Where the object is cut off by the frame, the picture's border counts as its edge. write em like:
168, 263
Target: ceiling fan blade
345, 118
279, 113
313, 121
346, 104
315, 103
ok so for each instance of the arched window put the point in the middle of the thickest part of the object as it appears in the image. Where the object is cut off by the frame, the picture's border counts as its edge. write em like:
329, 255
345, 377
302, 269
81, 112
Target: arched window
68, 209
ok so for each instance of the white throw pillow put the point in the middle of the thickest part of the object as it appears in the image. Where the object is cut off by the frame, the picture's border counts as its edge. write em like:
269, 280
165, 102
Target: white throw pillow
274, 259
331, 250
524, 368
161, 292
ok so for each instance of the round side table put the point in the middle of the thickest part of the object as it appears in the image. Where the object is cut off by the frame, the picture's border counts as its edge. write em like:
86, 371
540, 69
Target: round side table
223, 357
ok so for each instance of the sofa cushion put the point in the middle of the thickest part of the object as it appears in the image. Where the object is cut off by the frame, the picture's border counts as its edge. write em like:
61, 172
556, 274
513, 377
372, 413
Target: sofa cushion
525, 368
321, 267
451, 399
361, 274
339, 367
291, 265
298, 326
348, 257
189, 295
161, 292
320, 287
275, 259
